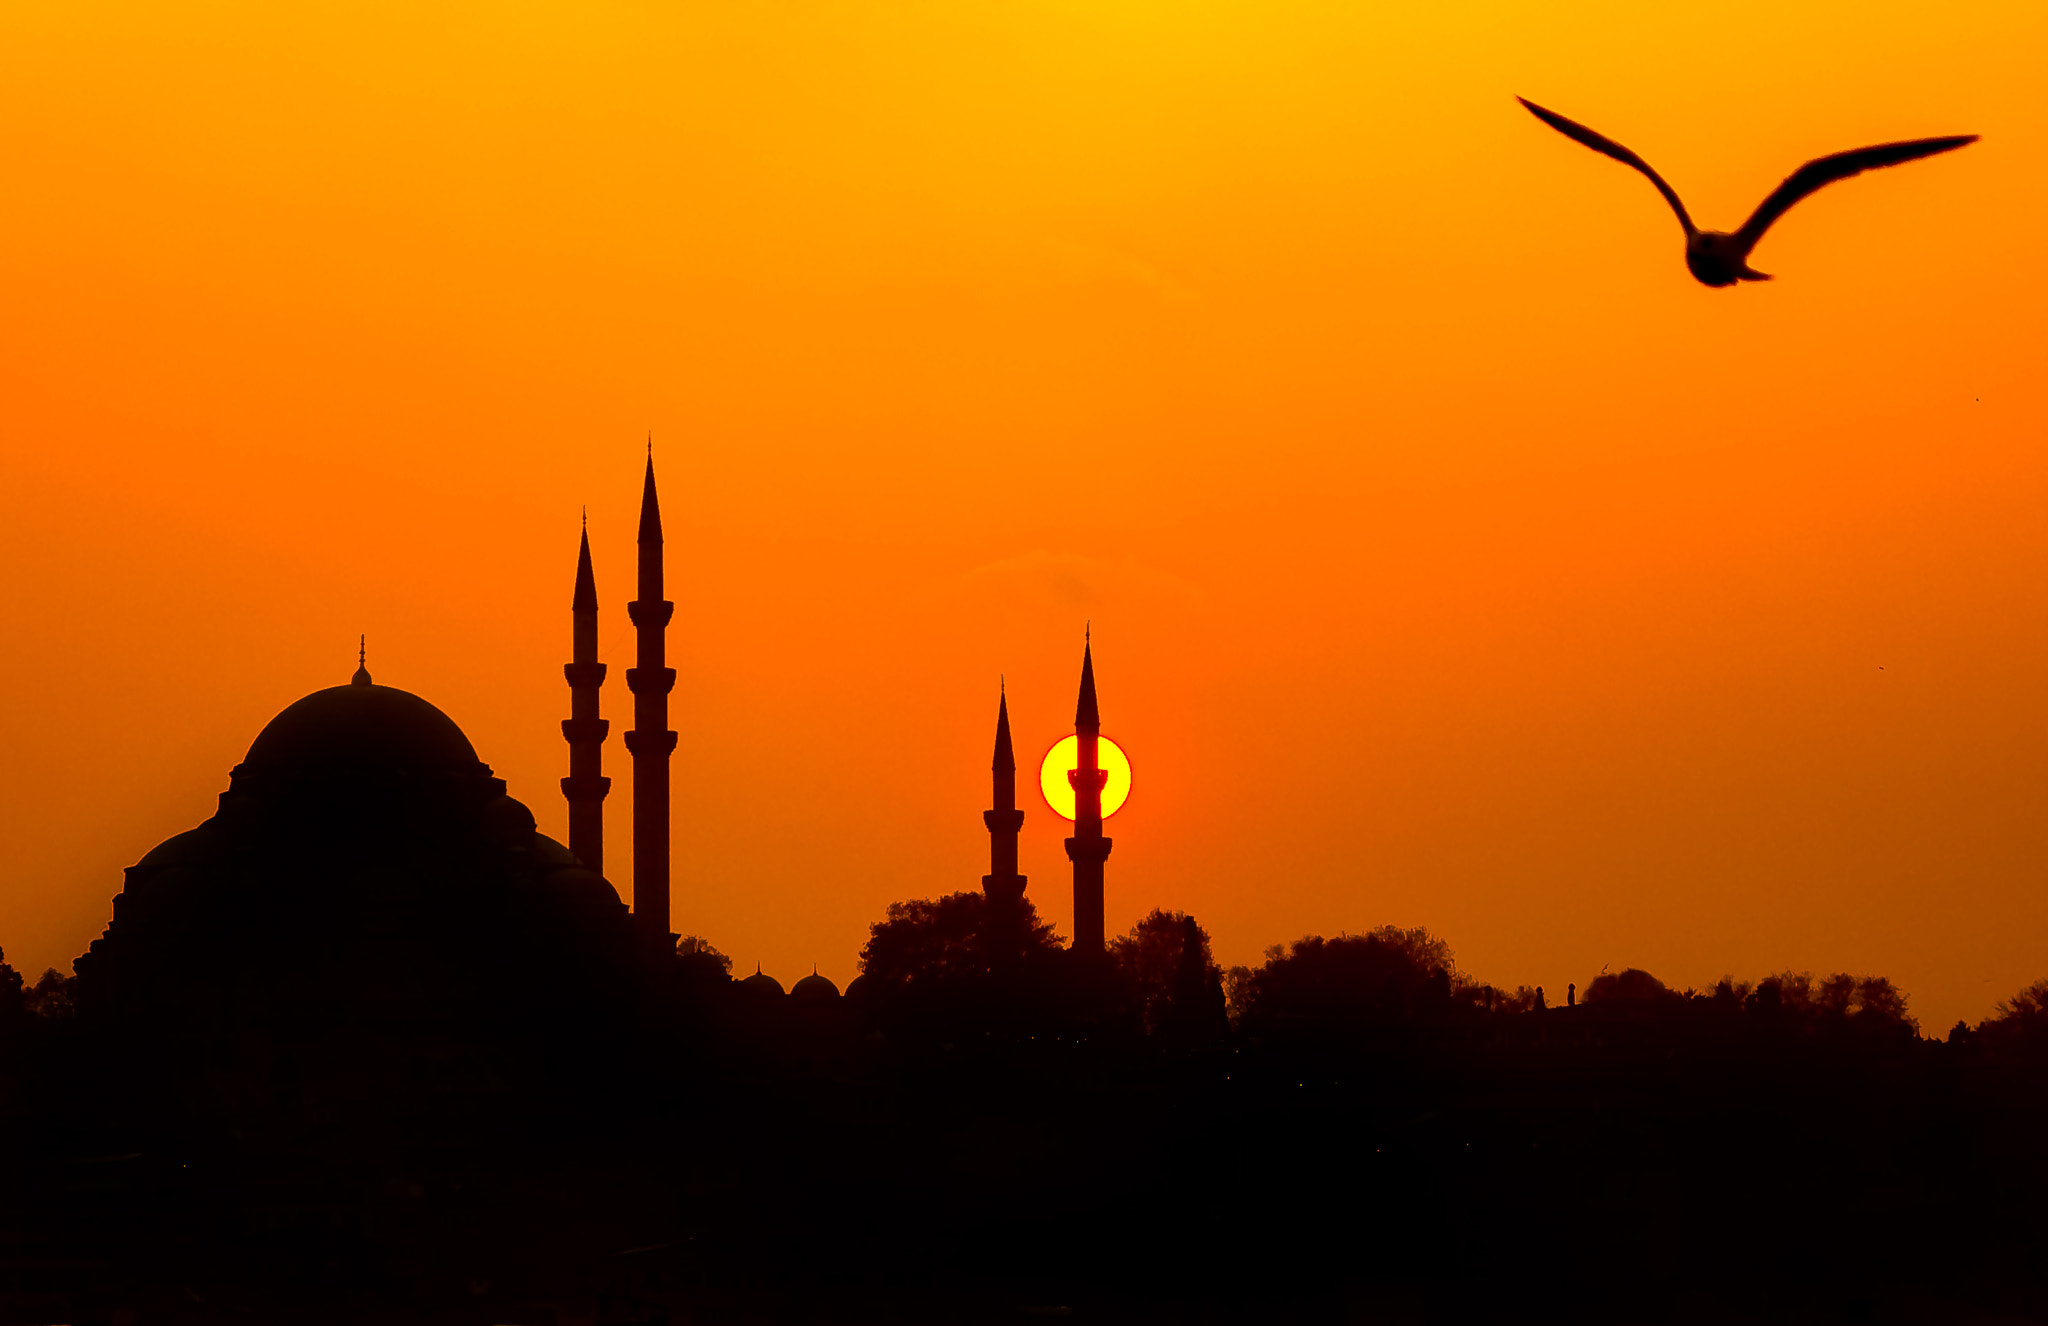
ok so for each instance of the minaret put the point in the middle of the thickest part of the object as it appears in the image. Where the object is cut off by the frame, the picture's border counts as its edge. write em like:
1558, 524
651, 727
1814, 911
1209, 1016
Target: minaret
586, 786
650, 742
1002, 883
1088, 849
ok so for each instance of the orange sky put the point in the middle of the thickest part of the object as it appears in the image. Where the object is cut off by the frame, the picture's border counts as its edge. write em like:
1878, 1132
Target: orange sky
1453, 558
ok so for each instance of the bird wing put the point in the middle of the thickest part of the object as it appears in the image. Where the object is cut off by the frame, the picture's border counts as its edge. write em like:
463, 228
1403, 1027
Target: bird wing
1579, 133
1823, 171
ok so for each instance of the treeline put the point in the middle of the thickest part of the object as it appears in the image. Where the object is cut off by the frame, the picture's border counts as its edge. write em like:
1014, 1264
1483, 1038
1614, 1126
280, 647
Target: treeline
52, 997
960, 955
986, 1123
952, 959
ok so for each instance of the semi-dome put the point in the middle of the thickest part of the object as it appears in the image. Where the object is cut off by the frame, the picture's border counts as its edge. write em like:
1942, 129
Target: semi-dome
177, 850
361, 726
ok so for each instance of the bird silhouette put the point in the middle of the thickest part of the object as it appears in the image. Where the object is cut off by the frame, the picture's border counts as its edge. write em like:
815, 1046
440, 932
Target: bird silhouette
1719, 258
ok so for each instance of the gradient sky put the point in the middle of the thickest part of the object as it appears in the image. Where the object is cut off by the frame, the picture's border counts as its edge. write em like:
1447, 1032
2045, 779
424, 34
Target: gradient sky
1453, 558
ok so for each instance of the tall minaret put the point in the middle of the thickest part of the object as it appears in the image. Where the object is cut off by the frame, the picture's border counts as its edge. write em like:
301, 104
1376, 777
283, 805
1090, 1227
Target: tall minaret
1088, 849
650, 742
1002, 883
586, 786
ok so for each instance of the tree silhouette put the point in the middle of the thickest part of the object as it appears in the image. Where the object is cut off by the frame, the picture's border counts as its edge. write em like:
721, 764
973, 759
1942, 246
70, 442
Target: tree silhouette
54, 995
1632, 983
2018, 1027
926, 942
699, 966
1237, 992
1389, 974
1729, 995
1870, 1006
13, 1002
1148, 960
1169, 978
1876, 1005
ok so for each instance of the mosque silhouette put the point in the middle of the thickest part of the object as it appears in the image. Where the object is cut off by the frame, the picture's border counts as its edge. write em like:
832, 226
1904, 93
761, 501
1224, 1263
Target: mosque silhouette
365, 867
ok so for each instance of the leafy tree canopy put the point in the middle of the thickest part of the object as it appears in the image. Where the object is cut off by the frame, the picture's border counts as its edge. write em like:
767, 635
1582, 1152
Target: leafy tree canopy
2019, 1026
1388, 973
928, 941
1166, 969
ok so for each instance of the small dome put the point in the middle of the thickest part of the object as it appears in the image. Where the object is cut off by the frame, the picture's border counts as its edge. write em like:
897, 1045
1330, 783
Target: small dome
857, 988
760, 983
814, 988
361, 726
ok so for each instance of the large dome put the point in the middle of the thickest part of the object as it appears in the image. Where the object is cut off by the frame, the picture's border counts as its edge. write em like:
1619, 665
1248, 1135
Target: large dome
361, 726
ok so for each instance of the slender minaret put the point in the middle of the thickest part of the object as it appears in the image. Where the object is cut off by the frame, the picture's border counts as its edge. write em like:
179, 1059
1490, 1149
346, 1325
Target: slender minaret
1088, 849
586, 786
1002, 883
650, 742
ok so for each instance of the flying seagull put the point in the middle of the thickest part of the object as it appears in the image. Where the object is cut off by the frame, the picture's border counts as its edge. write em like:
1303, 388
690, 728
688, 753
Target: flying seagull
1717, 258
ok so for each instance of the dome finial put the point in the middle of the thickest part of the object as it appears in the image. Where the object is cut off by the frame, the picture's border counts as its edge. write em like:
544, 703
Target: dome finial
362, 677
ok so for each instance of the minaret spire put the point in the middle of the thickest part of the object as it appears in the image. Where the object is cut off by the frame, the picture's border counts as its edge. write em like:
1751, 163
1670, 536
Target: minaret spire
1088, 849
1087, 718
1002, 883
650, 741
586, 786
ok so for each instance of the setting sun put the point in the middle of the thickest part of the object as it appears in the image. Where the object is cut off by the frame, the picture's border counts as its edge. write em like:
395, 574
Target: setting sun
1065, 757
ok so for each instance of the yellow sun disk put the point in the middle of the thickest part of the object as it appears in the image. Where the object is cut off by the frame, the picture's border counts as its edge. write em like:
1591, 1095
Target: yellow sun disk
1065, 756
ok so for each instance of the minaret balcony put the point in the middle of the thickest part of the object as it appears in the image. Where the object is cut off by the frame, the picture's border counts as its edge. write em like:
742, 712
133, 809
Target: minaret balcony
648, 615
579, 730
584, 674
663, 743
660, 682
585, 787
1088, 849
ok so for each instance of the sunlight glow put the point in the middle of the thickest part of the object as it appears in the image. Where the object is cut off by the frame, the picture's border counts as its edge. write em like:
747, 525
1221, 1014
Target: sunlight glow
1064, 757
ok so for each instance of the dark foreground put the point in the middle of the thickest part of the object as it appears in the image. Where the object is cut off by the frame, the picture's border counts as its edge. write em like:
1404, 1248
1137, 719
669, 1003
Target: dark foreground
1615, 1163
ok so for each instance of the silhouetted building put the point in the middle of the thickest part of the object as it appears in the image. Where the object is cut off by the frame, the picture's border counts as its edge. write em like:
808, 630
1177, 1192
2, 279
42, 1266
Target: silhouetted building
650, 741
368, 917
1002, 883
1088, 849
586, 786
